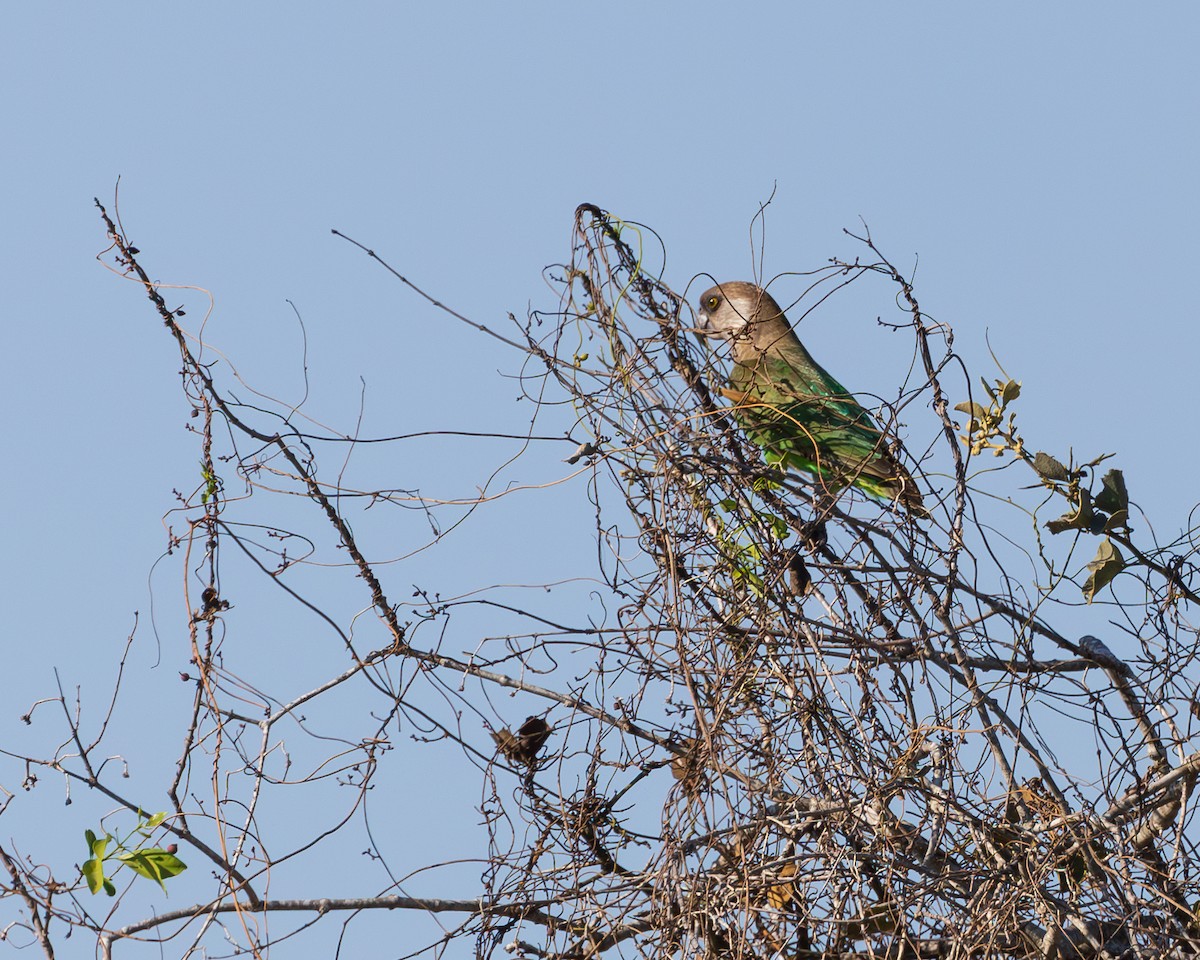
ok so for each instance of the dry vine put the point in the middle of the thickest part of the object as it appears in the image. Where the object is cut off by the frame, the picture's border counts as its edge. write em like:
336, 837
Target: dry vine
811, 726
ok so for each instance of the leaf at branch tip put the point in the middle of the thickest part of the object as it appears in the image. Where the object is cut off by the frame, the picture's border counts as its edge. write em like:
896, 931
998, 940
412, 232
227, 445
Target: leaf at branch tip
972, 408
1079, 519
1009, 390
1049, 468
1106, 565
96, 845
154, 864
93, 873
1118, 521
1113, 497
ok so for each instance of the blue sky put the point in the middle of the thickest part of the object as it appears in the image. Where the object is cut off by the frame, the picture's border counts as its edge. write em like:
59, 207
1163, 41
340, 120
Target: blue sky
1039, 161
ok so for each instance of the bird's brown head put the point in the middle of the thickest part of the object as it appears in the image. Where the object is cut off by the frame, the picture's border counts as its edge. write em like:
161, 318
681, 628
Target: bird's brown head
732, 310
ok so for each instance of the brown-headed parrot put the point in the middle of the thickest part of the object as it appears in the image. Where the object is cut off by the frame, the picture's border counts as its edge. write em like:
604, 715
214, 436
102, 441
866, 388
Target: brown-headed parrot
791, 407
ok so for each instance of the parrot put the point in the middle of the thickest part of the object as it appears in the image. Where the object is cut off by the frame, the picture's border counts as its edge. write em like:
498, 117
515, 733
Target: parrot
791, 407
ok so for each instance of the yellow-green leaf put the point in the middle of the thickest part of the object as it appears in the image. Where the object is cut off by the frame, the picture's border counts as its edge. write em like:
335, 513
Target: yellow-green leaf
154, 863
96, 845
93, 873
1107, 564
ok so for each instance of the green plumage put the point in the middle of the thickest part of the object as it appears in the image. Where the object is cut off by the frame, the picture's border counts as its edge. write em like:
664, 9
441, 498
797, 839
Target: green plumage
792, 407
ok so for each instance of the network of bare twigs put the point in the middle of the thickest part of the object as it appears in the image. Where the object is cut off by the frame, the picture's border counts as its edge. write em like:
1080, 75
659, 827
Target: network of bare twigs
874, 732
810, 724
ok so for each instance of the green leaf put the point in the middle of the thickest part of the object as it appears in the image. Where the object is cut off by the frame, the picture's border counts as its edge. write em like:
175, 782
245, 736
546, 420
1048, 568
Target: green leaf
157, 819
765, 483
93, 873
976, 411
1048, 468
97, 845
153, 863
1106, 565
1118, 521
1009, 390
1079, 519
1113, 497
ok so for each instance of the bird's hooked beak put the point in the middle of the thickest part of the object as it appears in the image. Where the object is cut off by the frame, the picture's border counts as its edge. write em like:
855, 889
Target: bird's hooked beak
703, 326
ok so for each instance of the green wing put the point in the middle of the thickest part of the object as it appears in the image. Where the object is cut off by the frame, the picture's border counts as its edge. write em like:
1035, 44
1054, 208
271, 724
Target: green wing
804, 419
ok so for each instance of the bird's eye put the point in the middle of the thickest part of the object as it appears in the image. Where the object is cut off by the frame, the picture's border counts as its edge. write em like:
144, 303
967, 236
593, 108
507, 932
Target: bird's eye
711, 302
